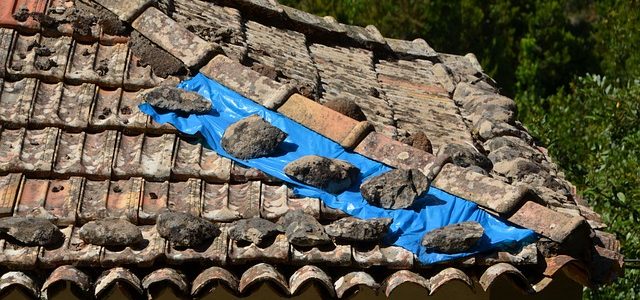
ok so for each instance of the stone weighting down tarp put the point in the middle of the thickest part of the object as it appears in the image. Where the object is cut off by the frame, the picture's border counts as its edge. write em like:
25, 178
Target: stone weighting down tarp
436, 209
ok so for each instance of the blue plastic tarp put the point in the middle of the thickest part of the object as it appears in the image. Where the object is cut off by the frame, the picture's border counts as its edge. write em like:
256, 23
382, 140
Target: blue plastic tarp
436, 209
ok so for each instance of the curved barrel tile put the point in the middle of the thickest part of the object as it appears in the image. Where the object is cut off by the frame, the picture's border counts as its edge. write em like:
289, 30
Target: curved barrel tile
169, 275
109, 277
447, 275
15, 278
354, 279
310, 273
400, 277
210, 275
70, 274
497, 270
572, 267
262, 272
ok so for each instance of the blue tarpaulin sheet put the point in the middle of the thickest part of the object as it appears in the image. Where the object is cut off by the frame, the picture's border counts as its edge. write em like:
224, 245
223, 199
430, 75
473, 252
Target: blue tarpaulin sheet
435, 209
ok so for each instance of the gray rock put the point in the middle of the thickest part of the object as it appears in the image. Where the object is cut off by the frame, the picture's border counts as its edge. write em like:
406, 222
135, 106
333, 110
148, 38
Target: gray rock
111, 232
172, 98
465, 156
31, 231
352, 229
395, 189
254, 230
185, 230
454, 238
252, 137
303, 230
331, 175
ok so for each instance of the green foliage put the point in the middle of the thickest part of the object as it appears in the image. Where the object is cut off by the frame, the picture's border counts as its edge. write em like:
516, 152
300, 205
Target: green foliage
541, 52
594, 132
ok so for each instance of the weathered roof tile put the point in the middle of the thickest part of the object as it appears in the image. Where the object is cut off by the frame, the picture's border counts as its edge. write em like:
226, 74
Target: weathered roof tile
277, 252
16, 101
126, 10
330, 255
483, 190
39, 56
143, 255
247, 82
9, 189
185, 196
55, 200
547, 222
192, 50
389, 257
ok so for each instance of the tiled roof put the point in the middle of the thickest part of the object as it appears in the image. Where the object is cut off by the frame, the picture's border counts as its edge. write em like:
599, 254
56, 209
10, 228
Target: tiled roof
75, 148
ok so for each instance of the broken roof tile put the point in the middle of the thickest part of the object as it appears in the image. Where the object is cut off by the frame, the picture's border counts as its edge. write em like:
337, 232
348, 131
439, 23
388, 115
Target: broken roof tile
192, 50
483, 190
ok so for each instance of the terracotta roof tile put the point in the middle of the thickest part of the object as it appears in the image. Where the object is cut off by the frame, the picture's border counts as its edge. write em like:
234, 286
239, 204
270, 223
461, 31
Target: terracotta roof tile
39, 56
329, 255
16, 100
97, 63
9, 9
172, 37
9, 190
